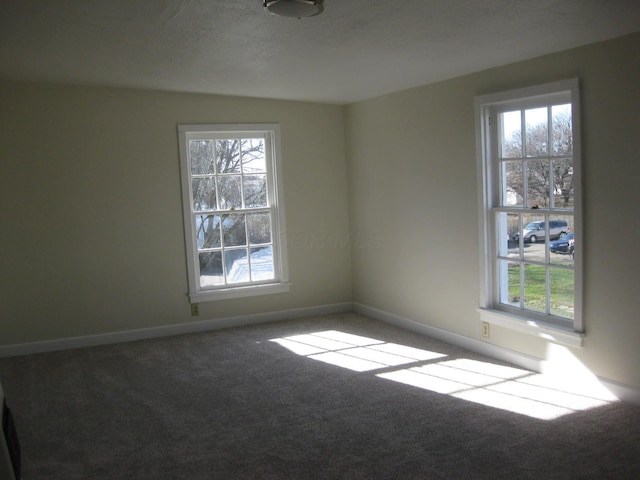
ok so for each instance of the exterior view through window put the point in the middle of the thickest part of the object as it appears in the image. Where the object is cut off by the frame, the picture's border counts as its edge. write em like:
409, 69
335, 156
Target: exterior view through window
536, 178
531, 172
232, 223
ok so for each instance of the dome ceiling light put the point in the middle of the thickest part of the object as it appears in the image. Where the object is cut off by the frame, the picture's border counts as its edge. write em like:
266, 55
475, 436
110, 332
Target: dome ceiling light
294, 8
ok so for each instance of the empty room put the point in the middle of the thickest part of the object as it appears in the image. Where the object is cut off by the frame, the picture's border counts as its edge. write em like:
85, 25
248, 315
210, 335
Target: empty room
295, 239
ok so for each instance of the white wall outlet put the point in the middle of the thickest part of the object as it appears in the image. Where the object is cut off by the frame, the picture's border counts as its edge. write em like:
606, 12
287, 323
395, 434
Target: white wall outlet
195, 309
486, 330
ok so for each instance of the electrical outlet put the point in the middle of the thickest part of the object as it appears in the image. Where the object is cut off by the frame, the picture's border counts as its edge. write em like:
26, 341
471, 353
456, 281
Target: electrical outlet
486, 332
195, 309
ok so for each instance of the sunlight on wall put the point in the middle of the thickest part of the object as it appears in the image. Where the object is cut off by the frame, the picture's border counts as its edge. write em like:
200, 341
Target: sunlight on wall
498, 386
563, 367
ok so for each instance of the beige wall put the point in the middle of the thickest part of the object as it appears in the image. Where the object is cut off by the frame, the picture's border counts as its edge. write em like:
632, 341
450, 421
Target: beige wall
91, 218
412, 177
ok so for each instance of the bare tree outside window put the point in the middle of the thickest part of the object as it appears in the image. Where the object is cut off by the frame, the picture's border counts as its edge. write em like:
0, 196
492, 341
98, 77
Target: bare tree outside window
541, 165
229, 175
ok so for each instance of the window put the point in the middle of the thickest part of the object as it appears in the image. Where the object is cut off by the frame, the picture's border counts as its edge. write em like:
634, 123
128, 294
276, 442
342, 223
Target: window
529, 174
233, 213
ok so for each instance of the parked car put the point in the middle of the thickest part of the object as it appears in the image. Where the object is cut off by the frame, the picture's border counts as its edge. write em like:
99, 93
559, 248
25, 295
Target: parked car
565, 244
535, 231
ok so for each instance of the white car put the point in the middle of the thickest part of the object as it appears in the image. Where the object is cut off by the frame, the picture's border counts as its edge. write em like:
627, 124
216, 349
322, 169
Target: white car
535, 231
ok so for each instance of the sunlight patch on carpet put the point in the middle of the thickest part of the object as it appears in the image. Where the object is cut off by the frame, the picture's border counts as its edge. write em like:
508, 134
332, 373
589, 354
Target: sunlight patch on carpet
498, 386
354, 352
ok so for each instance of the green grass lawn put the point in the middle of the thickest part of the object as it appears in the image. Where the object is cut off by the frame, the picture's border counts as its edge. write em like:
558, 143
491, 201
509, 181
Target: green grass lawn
562, 289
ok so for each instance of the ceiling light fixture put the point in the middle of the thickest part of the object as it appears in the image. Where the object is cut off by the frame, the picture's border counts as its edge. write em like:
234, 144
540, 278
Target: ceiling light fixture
294, 8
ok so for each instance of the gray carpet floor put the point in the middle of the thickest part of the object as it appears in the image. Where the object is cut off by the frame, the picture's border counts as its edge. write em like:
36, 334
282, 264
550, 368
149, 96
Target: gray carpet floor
278, 401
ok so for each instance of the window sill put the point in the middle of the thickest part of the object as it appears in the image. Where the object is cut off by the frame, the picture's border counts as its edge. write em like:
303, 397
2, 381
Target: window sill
554, 333
238, 292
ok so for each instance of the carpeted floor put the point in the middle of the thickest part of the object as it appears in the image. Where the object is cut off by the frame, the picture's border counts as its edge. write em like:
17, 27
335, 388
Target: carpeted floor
337, 397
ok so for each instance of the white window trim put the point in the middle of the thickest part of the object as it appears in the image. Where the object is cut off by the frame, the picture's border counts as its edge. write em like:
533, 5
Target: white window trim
484, 104
276, 199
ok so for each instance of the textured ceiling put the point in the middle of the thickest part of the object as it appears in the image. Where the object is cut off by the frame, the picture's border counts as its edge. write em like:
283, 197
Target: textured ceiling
355, 50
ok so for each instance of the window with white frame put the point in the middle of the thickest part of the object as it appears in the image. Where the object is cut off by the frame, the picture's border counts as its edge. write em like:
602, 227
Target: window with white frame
233, 211
529, 174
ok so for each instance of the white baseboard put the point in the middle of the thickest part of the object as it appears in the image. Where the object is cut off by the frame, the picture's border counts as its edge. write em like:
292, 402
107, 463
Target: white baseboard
169, 330
619, 390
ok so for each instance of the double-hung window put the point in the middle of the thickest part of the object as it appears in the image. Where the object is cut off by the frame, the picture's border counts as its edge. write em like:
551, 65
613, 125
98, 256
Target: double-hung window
233, 210
530, 198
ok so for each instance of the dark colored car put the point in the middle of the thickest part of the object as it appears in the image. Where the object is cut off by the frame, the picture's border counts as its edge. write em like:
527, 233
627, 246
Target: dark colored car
565, 244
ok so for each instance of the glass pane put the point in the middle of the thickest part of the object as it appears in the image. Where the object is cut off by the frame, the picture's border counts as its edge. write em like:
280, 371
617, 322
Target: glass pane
534, 232
262, 263
253, 158
228, 155
211, 269
208, 231
561, 250
233, 230
562, 292
230, 192
559, 225
563, 183
509, 283
204, 194
533, 228
201, 155
537, 132
512, 183
236, 265
507, 233
538, 183
562, 241
535, 288
562, 133
259, 227
255, 191
511, 134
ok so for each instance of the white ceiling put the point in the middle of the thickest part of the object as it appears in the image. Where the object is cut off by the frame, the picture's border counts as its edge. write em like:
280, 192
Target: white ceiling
355, 50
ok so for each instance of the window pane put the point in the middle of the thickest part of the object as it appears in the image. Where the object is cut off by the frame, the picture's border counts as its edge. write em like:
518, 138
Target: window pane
208, 231
204, 194
512, 183
228, 156
507, 228
535, 288
538, 183
230, 192
559, 225
509, 273
537, 132
563, 183
233, 230
562, 292
511, 134
532, 228
201, 155
561, 250
534, 231
562, 135
255, 191
562, 242
236, 265
211, 269
253, 158
259, 227
262, 263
